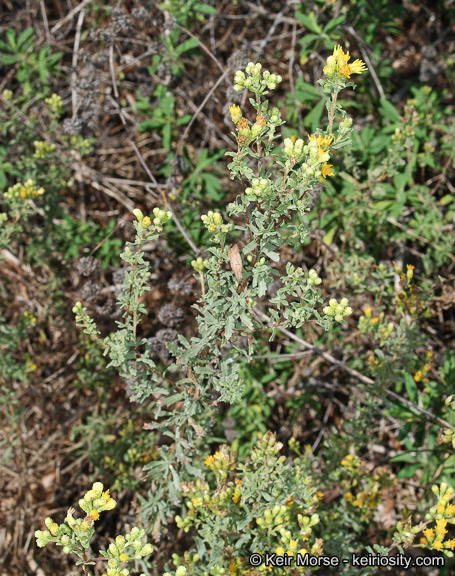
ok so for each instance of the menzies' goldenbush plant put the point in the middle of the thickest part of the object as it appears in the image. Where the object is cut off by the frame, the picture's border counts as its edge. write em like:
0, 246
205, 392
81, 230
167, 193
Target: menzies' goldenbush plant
275, 189
75, 535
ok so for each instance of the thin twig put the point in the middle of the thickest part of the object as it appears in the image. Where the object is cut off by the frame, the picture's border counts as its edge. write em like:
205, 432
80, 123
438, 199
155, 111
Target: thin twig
141, 158
70, 15
77, 40
45, 21
203, 46
367, 61
352, 372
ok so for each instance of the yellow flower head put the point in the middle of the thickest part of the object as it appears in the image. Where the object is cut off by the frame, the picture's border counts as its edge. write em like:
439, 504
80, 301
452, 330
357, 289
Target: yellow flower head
418, 376
236, 498
209, 460
429, 533
441, 526
123, 557
326, 170
450, 510
451, 544
437, 545
339, 63
236, 113
340, 56
94, 514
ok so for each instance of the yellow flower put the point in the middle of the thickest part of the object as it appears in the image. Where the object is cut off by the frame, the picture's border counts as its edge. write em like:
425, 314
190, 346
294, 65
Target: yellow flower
323, 141
196, 501
209, 460
450, 510
437, 545
423, 541
429, 533
280, 551
94, 514
340, 56
326, 170
236, 498
357, 67
236, 113
339, 62
440, 509
441, 526
146, 221
123, 557
238, 482
232, 567
418, 376
451, 544
357, 503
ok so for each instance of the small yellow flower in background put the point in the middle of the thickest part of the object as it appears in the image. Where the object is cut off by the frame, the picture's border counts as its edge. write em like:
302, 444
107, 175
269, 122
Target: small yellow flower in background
450, 510
440, 509
238, 482
349, 497
418, 376
429, 533
423, 541
280, 551
451, 544
437, 545
94, 515
209, 460
236, 498
123, 557
326, 170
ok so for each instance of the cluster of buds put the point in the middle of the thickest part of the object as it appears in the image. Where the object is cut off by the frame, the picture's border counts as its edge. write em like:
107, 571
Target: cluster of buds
214, 223
337, 311
25, 191
260, 188
338, 67
345, 126
316, 157
42, 149
73, 531
293, 150
199, 264
55, 103
274, 517
267, 447
313, 278
75, 534
306, 523
252, 79
181, 570
161, 217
